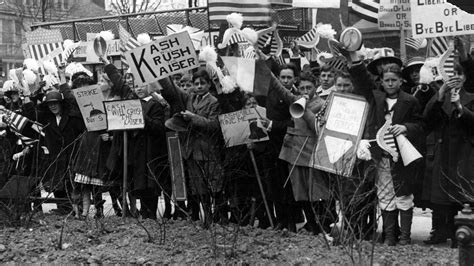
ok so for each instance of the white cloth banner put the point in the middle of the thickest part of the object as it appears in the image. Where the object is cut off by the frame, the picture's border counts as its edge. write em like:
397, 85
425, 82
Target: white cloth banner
317, 3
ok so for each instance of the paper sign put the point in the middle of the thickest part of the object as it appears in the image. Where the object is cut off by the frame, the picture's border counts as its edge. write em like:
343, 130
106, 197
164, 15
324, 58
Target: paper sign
439, 18
244, 126
175, 159
90, 100
317, 3
124, 115
394, 14
337, 143
162, 58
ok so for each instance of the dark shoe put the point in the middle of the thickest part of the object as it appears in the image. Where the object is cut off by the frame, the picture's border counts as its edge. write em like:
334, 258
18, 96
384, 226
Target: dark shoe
99, 213
435, 238
292, 227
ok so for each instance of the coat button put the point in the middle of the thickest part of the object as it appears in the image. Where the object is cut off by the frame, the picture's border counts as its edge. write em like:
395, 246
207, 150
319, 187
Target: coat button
440, 140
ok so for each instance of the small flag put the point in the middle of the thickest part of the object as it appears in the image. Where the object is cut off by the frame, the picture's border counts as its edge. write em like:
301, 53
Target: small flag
415, 43
389, 139
251, 75
365, 9
26, 130
16, 121
269, 40
438, 46
255, 12
127, 42
309, 39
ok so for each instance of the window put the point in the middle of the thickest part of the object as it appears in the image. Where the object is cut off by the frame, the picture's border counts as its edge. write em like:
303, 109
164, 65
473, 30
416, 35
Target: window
66, 4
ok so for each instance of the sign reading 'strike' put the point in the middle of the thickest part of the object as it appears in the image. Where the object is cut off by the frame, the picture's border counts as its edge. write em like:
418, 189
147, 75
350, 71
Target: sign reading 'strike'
162, 58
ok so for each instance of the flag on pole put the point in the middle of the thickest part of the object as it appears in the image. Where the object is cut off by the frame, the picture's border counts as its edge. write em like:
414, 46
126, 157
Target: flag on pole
309, 39
127, 42
415, 43
14, 120
26, 130
255, 12
251, 75
365, 9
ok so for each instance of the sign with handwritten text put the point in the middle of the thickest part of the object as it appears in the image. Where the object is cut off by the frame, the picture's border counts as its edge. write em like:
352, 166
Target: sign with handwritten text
394, 14
434, 18
90, 100
244, 126
124, 115
162, 58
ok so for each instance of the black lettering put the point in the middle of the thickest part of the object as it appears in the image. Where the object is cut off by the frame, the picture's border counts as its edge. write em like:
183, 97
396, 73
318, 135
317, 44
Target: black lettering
163, 71
191, 62
153, 49
176, 54
173, 42
167, 57
439, 26
419, 28
157, 60
139, 63
164, 45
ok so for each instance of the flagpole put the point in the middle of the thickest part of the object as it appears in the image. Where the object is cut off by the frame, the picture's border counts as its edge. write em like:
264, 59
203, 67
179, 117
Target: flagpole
125, 174
403, 49
209, 24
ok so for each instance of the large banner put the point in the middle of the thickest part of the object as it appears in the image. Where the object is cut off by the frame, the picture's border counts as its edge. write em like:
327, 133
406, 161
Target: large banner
439, 18
124, 115
340, 136
162, 58
394, 15
90, 100
244, 126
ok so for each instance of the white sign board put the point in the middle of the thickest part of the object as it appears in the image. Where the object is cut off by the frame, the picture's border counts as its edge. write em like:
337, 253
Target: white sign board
394, 14
90, 100
164, 57
439, 18
244, 126
124, 115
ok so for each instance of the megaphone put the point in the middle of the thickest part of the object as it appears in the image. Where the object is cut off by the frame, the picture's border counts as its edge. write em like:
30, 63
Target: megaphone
408, 152
297, 108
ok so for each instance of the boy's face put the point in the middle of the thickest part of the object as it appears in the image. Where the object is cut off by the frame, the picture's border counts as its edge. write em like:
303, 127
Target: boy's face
287, 78
343, 85
306, 88
391, 84
327, 79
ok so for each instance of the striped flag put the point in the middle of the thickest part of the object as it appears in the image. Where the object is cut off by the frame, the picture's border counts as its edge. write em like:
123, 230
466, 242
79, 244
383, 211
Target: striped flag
251, 75
389, 139
365, 9
45, 45
414, 43
26, 130
127, 42
15, 121
447, 62
269, 40
309, 39
438, 46
255, 12
338, 62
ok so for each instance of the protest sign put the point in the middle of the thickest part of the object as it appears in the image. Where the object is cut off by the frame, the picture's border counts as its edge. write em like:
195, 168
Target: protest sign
162, 58
394, 14
124, 115
176, 166
244, 126
439, 18
90, 101
340, 136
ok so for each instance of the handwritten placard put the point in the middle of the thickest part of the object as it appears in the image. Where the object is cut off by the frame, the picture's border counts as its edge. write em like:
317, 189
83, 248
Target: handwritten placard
90, 100
439, 18
394, 14
244, 126
162, 58
124, 115
340, 136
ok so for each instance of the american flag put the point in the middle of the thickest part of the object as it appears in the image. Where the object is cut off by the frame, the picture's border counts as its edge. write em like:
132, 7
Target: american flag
414, 43
255, 12
438, 46
15, 121
127, 42
365, 9
270, 39
45, 45
26, 130
309, 39
389, 139
338, 62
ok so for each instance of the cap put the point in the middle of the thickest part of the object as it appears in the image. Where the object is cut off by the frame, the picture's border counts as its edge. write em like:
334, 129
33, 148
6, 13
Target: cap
383, 54
53, 96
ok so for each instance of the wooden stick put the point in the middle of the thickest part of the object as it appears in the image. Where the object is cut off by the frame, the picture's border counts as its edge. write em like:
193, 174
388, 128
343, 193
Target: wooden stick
125, 174
294, 164
267, 209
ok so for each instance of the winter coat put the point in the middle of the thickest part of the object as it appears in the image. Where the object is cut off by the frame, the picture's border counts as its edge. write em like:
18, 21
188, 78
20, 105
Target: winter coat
452, 178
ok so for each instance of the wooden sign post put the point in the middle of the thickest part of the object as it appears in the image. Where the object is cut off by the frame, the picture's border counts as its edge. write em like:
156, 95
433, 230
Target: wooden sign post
124, 115
340, 136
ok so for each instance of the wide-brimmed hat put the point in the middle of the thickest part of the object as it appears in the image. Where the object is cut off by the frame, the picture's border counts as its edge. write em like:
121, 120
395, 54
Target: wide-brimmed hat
383, 54
411, 63
53, 96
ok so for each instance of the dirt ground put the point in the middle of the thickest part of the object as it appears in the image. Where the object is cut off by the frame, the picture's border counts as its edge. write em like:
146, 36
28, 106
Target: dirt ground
114, 240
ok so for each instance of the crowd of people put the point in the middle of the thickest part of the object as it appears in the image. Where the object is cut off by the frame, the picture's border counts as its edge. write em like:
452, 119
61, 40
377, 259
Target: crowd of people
70, 162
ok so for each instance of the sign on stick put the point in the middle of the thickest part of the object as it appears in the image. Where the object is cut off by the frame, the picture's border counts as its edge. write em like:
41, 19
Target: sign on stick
244, 126
340, 136
124, 115
90, 100
434, 18
162, 58
394, 14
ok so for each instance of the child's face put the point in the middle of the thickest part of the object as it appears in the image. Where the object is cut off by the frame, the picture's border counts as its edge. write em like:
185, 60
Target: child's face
250, 103
186, 85
391, 83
